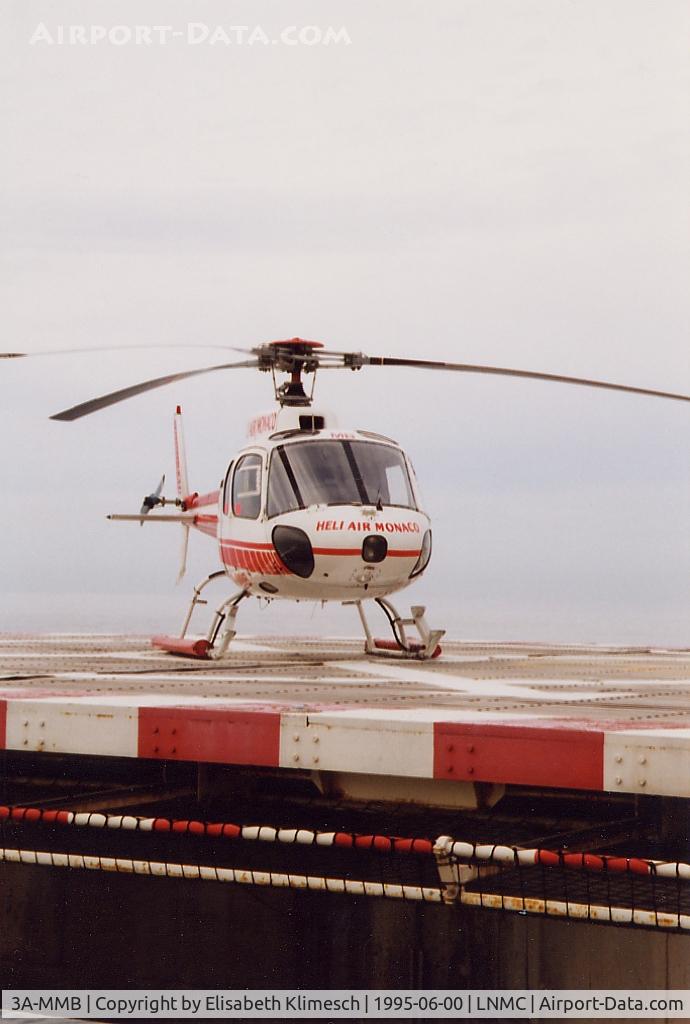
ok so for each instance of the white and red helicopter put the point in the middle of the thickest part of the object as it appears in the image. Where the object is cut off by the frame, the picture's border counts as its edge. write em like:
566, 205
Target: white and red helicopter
308, 511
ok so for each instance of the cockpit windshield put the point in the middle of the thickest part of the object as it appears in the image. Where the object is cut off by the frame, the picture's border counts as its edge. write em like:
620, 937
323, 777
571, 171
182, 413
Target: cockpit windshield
337, 473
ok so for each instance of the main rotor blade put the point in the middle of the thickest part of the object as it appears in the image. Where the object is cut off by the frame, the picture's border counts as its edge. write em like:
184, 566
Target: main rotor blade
117, 348
499, 371
86, 408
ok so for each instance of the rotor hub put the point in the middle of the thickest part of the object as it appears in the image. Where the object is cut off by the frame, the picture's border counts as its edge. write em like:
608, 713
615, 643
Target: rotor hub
290, 356
294, 356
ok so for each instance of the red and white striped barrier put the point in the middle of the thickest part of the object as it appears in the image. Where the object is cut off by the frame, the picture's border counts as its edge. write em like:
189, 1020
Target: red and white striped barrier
423, 743
448, 854
494, 853
444, 847
216, 830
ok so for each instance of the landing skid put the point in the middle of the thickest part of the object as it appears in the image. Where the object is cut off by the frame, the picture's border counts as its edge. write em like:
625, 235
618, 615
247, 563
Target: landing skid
400, 647
222, 631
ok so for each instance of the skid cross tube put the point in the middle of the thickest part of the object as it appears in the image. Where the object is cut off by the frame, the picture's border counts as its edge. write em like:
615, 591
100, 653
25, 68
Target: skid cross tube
401, 647
197, 599
223, 619
224, 616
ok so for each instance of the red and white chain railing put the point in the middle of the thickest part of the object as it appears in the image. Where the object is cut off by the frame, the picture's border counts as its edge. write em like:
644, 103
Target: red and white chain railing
610, 887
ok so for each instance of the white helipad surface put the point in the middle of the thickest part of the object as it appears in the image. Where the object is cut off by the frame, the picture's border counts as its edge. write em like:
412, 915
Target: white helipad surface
598, 718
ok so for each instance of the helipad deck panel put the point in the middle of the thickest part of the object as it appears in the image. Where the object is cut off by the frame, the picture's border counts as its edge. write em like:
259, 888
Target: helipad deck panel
594, 718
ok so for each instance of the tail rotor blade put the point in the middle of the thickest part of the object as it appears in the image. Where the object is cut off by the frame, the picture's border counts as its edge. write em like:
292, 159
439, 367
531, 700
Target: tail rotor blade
153, 499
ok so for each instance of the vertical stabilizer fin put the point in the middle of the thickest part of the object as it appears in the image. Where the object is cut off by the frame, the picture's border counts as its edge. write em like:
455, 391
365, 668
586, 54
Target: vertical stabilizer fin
180, 456
182, 481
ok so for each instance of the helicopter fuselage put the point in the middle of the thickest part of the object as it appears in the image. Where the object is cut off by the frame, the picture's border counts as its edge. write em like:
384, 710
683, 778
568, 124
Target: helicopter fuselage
318, 514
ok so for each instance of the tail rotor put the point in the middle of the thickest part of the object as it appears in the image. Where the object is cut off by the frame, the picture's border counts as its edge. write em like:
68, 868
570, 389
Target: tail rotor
152, 500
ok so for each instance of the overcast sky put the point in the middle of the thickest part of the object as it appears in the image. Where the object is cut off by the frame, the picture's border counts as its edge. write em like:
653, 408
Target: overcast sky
502, 182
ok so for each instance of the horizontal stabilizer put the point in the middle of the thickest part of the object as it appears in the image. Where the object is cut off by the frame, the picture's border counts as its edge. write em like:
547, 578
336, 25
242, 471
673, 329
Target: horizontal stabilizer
156, 517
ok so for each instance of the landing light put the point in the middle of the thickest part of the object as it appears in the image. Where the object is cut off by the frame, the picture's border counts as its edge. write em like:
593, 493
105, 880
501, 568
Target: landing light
374, 548
294, 549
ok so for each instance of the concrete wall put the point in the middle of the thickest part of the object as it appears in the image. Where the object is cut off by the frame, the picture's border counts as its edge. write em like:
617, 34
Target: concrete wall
91, 929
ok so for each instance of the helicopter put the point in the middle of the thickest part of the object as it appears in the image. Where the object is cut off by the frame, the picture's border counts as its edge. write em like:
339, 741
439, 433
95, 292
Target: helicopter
307, 510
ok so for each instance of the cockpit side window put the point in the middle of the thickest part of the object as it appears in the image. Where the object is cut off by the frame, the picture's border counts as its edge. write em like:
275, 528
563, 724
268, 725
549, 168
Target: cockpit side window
227, 490
283, 490
246, 487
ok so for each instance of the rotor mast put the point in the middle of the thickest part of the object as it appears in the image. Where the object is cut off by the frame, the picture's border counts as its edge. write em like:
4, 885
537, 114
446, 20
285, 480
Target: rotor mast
294, 356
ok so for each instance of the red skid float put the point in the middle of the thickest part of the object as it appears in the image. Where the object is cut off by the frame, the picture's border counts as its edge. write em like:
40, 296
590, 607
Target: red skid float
186, 647
413, 647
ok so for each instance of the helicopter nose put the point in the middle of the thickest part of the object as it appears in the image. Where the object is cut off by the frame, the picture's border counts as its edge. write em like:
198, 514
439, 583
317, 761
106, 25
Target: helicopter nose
374, 548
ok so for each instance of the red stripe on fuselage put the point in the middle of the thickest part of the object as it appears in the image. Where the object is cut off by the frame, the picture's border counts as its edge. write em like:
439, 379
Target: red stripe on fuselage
207, 525
204, 499
248, 544
252, 546
358, 551
262, 558
255, 558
